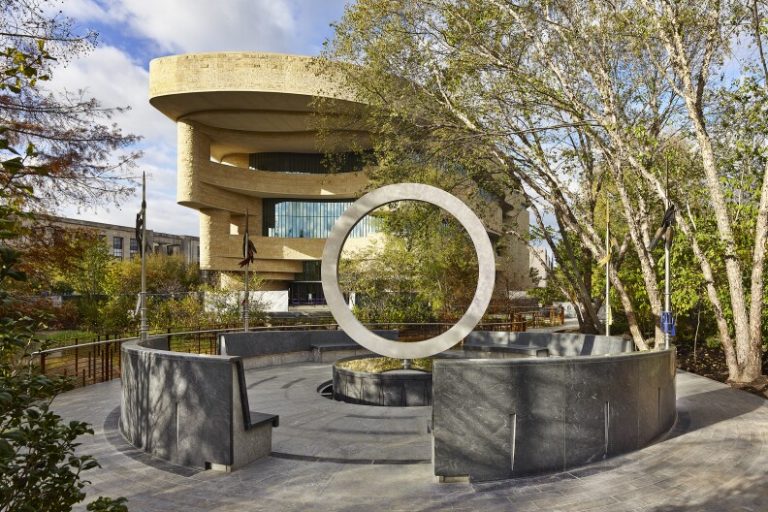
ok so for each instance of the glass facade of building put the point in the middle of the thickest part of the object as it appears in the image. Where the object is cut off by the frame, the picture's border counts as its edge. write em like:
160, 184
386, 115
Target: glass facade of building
308, 219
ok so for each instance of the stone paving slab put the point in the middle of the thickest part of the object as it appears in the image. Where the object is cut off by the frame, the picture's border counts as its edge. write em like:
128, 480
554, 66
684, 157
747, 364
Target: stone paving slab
715, 459
313, 427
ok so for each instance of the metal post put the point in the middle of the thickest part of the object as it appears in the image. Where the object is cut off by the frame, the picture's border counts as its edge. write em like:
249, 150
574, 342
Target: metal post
246, 306
245, 302
607, 267
667, 296
143, 328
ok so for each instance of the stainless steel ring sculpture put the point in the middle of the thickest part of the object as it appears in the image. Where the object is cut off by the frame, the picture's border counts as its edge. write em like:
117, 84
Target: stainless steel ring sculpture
330, 267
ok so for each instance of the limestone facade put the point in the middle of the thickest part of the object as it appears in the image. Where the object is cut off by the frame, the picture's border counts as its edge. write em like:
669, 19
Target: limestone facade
232, 106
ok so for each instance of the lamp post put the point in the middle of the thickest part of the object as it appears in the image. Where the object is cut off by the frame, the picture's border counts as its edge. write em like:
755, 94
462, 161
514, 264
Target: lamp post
141, 237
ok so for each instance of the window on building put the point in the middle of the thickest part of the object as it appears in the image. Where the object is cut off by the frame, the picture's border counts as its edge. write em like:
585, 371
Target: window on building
308, 219
310, 272
305, 293
134, 247
117, 247
310, 163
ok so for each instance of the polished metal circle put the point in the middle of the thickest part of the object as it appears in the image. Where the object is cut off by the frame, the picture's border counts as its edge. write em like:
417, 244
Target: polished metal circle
330, 270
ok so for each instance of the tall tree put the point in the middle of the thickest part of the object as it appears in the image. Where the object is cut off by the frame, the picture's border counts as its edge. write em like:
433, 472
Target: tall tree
563, 99
61, 145
39, 469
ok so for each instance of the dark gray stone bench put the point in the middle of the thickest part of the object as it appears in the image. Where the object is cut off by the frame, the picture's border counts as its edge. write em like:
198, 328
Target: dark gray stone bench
273, 348
258, 418
331, 345
559, 344
190, 409
537, 415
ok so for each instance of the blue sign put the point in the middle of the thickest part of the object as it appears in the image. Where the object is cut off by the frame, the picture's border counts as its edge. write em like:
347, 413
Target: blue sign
667, 323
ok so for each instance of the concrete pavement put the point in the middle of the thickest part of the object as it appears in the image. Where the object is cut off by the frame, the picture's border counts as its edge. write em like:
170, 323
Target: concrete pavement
345, 457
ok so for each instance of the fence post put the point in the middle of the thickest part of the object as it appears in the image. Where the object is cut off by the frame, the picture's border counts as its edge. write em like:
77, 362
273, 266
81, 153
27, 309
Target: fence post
42, 363
76, 356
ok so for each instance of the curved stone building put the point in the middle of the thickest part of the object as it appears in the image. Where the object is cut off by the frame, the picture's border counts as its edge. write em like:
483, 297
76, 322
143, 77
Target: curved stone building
247, 141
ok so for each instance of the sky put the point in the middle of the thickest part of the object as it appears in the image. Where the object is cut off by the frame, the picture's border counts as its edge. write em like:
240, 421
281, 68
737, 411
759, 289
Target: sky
133, 32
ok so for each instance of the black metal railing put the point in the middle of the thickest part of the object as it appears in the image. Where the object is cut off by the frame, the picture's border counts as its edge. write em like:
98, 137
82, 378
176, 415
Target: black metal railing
100, 361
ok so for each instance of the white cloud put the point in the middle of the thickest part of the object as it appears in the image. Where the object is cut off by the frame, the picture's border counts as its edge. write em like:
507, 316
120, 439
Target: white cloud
176, 26
118, 77
81, 10
112, 77
202, 25
163, 214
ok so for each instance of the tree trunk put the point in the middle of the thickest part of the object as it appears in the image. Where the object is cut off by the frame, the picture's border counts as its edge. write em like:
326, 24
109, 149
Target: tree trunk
746, 345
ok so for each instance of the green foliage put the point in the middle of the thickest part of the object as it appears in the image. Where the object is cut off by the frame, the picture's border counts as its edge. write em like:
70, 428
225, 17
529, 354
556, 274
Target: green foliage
550, 292
176, 297
61, 146
424, 269
103, 504
166, 275
570, 101
223, 305
39, 469
65, 337
384, 364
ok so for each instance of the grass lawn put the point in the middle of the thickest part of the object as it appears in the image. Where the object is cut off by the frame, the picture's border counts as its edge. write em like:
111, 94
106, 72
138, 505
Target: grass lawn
66, 337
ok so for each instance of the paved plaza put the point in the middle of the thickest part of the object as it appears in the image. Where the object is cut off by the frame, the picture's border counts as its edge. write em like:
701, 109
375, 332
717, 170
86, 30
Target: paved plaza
344, 457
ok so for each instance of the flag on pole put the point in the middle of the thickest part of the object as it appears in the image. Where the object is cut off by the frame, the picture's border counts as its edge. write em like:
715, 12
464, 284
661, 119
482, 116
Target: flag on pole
249, 250
140, 228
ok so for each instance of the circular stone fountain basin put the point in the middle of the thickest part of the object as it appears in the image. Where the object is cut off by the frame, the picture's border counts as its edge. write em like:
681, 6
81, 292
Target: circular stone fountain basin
396, 387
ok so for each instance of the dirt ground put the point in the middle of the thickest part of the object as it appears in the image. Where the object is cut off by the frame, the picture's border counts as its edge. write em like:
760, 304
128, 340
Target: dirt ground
710, 362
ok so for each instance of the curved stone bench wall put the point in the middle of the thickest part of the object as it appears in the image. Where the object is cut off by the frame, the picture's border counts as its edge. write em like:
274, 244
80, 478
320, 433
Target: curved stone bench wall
389, 389
503, 418
273, 348
558, 344
190, 409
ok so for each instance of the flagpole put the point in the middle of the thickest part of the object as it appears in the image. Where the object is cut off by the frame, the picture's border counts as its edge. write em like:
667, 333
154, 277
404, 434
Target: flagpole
246, 306
607, 266
667, 306
143, 328
667, 246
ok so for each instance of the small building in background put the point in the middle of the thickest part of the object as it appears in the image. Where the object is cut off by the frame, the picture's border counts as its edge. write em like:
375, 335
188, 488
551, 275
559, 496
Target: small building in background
122, 244
541, 263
